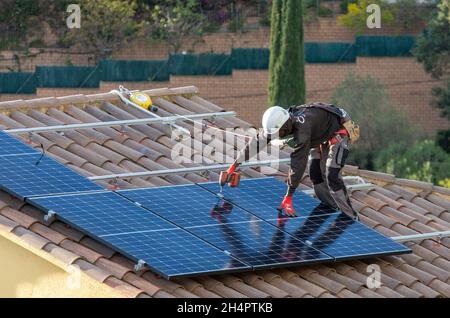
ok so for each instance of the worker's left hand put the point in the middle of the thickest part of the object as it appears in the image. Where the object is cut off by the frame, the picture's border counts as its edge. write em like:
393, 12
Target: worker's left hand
278, 143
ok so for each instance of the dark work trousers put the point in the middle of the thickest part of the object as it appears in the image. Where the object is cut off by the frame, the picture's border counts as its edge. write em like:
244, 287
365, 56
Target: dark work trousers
325, 165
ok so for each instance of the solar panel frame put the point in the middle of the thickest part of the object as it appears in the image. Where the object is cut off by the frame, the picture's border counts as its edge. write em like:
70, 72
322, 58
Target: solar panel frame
11, 146
341, 237
261, 197
21, 177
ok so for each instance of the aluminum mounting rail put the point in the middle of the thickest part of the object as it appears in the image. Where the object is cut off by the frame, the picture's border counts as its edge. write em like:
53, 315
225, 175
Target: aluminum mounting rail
129, 122
166, 172
422, 236
350, 187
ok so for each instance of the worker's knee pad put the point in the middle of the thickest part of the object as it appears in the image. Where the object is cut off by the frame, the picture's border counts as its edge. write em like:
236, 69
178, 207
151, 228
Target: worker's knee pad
334, 179
315, 173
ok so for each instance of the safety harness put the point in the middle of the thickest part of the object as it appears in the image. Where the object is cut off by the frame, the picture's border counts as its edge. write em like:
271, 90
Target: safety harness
351, 129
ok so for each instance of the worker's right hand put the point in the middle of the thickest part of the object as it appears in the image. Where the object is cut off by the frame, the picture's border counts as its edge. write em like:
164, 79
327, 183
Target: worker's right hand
232, 168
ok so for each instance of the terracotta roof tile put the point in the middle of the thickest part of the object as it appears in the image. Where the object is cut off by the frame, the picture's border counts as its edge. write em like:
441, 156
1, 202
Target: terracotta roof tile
30, 237
429, 206
219, 288
283, 284
402, 218
259, 283
426, 291
48, 233
385, 177
391, 202
88, 254
123, 287
67, 230
167, 285
322, 281
60, 253
368, 200
414, 184
437, 248
196, 288
408, 292
92, 270
141, 283
348, 282
19, 217
310, 288
407, 194
117, 270
238, 285
433, 270
439, 200
441, 287
7, 224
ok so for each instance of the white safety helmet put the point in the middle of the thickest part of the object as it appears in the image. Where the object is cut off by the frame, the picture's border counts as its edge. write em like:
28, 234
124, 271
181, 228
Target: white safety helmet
273, 119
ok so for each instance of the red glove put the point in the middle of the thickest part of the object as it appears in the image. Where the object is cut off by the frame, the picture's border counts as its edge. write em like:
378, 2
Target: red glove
232, 168
287, 207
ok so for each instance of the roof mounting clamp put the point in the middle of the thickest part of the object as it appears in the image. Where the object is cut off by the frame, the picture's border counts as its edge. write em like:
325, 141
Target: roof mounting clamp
139, 266
50, 216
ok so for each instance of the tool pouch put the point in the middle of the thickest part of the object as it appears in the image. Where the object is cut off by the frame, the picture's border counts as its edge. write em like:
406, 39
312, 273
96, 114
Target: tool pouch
352, 129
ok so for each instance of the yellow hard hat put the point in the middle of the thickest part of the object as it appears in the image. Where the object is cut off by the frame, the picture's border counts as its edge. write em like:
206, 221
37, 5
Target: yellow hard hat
141, 99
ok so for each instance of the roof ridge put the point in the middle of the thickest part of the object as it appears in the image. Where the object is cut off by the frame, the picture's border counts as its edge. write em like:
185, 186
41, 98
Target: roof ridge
48, 102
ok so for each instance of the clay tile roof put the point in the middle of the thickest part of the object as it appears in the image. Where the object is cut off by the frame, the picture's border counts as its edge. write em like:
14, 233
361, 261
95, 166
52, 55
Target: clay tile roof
394, 207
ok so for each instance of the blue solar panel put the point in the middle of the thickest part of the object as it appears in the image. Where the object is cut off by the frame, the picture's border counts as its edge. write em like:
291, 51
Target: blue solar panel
262, 196
102, 213
319, 226
339, 236
185, 205
175, 253
228, 227
10, 145
20, 176
259, 244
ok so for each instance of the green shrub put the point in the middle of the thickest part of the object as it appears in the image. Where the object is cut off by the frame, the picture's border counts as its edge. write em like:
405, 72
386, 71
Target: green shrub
382, 125
422, 161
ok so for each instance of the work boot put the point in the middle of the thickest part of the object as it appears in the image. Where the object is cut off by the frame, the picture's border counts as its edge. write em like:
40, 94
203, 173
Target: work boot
323, 194
286, 206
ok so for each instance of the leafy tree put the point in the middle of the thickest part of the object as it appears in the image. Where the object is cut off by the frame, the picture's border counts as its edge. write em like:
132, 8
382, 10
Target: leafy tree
356, 16
368, 103
433, 50
175, 20
433, 45
286, 70
106, 25
423, 161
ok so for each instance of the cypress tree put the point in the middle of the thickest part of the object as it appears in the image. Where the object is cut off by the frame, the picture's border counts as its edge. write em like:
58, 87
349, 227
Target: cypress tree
275, 43
286, 74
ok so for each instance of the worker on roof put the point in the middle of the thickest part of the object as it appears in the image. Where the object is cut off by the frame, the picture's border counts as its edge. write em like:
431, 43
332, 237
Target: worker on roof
319, 133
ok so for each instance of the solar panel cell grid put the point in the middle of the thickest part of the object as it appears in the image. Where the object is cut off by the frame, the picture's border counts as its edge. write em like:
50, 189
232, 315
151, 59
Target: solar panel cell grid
262, 196
102, 213
22, 177
175, 253
187, 205
10, 145
259, 244
340, 236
